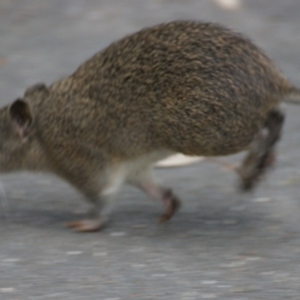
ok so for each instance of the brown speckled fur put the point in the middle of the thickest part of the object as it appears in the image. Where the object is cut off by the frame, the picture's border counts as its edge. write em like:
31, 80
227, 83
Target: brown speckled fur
190, 87
203, 87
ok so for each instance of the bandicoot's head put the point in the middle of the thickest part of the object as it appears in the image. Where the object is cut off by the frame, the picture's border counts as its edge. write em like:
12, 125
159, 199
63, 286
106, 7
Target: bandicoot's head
17, 133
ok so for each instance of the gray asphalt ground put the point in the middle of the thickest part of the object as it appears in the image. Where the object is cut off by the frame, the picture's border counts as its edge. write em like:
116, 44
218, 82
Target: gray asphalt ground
221, 245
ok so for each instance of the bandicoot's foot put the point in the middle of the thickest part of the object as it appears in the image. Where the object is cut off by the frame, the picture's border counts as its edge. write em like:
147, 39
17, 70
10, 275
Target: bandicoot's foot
172, 205
87, 225
259, 167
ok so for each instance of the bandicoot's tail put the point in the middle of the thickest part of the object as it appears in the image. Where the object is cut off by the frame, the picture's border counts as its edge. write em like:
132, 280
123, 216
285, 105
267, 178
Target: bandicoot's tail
293, 95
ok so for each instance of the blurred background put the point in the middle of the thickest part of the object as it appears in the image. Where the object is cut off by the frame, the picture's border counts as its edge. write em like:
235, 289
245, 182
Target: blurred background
221, 245
45, 40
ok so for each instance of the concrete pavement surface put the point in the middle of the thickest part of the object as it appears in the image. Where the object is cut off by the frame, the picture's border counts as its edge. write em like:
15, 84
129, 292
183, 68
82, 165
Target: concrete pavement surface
220, 245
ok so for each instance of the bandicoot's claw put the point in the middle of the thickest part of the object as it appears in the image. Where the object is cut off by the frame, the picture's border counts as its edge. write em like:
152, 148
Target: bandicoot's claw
172, 206
86, 225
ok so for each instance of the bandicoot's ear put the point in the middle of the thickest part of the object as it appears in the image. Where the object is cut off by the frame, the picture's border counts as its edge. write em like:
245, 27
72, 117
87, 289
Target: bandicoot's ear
20, 113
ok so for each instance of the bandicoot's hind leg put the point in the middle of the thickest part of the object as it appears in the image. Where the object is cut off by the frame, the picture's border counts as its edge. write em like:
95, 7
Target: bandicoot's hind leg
144, 180
261, 154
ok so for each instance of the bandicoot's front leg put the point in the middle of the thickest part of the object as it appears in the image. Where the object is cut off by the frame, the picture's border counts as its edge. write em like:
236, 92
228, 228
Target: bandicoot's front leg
98, 216
101, 199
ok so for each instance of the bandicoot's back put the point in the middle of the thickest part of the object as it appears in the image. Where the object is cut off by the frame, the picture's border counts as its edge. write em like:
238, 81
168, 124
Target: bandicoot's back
198, 88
